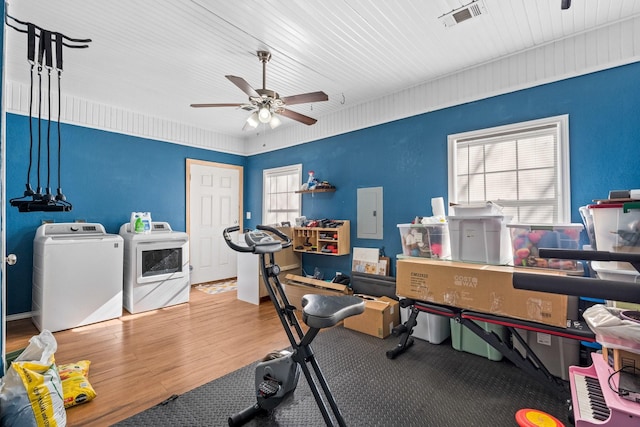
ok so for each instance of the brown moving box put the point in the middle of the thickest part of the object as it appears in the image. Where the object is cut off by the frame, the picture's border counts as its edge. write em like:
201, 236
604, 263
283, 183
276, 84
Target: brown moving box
617, 358
297, 286
380, 315
479, 287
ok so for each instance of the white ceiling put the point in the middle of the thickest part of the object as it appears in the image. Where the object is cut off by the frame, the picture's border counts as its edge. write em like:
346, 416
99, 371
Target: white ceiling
156, 57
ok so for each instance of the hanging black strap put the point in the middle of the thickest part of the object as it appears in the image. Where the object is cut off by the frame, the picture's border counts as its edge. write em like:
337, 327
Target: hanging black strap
45, 52
45, 55
31, 57
59, 44
31, 43
20, 30
58, 38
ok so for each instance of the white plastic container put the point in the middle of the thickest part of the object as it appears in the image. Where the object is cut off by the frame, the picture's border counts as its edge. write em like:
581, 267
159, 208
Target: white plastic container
555, 353
617, 229
476, 209
482, 239
527, 239
145, 217
429, 327
425, 241
621, 275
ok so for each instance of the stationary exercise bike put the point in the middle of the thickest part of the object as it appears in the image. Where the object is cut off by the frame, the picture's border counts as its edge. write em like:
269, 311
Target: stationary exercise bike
277, 375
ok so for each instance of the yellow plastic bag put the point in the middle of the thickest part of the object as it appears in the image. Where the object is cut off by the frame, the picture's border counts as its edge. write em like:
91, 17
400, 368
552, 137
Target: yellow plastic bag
75, 383
31, 393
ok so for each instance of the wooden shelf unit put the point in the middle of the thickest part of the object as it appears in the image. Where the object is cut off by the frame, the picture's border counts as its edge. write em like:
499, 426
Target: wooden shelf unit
318, 190
313, 239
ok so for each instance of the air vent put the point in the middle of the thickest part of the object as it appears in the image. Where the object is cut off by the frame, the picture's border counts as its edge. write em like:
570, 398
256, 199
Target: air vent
464, 13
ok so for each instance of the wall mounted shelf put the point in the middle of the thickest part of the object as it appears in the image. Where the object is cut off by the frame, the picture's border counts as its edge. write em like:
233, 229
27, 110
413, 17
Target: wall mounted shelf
312, 240
319, 190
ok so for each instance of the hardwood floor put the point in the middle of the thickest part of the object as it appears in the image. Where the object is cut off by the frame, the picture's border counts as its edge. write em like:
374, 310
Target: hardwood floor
139, 360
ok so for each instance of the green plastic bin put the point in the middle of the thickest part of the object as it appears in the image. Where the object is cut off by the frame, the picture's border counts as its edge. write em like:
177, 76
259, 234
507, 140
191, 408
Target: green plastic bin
462, 339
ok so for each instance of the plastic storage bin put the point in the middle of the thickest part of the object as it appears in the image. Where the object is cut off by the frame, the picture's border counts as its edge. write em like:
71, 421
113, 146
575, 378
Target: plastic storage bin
617, 229
604, 272
482, 239
429, 327
526, 239
555, 353
462, 339
476, 209
426, 241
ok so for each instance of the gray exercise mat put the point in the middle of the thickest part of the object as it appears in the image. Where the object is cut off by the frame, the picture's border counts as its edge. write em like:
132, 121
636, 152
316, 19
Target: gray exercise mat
429, 385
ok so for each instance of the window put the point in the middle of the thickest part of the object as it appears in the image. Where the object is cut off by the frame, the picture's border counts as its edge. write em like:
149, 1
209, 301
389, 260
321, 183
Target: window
523, 167
280, 200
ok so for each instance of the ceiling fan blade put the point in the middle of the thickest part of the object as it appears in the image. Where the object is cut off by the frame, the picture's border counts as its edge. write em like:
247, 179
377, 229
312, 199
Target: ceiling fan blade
297, 116
243, 85
216, 105
305, 97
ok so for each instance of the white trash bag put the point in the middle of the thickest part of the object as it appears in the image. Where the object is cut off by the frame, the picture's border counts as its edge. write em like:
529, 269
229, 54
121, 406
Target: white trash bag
611, 329
31, 391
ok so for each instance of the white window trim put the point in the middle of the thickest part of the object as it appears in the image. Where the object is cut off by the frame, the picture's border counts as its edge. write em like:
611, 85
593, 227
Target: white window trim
564, 185
278, 171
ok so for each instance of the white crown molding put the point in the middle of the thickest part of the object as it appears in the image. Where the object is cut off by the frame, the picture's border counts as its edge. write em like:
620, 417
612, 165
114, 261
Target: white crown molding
580, 55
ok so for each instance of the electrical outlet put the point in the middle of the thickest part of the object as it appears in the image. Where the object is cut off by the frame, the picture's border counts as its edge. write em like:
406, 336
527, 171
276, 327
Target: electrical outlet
248, 215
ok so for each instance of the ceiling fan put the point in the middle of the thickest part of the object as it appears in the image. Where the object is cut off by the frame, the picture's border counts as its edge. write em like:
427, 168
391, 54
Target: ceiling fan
265, 104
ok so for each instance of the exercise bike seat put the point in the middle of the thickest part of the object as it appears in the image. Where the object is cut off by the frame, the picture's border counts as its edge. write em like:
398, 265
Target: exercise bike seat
324, 311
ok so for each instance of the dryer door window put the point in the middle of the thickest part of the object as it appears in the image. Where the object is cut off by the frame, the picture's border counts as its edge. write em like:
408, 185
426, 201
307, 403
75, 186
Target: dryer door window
159, 261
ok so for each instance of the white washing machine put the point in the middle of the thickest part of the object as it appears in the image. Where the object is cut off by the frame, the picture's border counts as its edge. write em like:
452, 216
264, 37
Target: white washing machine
156, 267
77, 275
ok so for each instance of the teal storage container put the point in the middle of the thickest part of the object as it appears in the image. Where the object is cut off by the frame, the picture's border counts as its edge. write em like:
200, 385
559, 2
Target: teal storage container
462, 339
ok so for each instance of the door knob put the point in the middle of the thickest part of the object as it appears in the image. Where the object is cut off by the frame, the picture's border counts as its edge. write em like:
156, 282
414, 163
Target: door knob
11, 259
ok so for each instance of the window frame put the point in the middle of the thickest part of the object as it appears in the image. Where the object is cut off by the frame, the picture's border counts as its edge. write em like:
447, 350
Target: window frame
273, 172
559, 123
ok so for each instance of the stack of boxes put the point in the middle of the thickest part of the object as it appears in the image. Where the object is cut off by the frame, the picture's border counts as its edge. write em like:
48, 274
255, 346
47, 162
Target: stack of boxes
426, 241
484, 243
617, 229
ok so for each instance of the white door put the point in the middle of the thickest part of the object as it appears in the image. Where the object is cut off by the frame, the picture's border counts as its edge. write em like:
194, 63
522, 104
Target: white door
214, 203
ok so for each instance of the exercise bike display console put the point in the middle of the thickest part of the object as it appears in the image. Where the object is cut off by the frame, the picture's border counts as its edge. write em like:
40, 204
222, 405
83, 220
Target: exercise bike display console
277, 375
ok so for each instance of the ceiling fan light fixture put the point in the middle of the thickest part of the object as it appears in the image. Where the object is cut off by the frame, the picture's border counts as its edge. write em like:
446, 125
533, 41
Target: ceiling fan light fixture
264, 115
253, 120
275, 122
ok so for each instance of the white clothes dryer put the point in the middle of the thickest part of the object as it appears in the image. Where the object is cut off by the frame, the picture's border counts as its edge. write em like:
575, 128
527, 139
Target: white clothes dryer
156, 267
77, 275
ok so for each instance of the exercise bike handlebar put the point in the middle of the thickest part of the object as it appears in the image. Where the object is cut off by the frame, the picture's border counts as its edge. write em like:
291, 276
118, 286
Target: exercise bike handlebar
258, 242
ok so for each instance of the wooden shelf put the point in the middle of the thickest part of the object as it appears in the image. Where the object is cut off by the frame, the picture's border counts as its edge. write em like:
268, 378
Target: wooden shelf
313, 239
319, 190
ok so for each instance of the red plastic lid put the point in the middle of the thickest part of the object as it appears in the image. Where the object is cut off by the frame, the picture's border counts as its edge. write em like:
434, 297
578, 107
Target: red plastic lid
607, 206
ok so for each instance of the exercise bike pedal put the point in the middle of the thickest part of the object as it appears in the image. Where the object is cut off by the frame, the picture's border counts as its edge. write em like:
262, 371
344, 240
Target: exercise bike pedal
268, 388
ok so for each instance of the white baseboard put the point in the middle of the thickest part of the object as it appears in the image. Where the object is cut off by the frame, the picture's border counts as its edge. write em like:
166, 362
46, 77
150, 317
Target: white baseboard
19, 316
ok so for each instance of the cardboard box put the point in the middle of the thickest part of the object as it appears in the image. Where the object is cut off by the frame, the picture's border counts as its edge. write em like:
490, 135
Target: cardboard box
619, 358
479, 287
380, 316
298, 286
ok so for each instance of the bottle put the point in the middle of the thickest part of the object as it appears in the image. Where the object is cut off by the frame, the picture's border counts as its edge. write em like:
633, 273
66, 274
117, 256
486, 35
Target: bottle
139, 225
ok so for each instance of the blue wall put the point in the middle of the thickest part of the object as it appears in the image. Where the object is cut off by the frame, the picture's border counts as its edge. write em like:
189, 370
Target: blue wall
409, 157
106, 175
